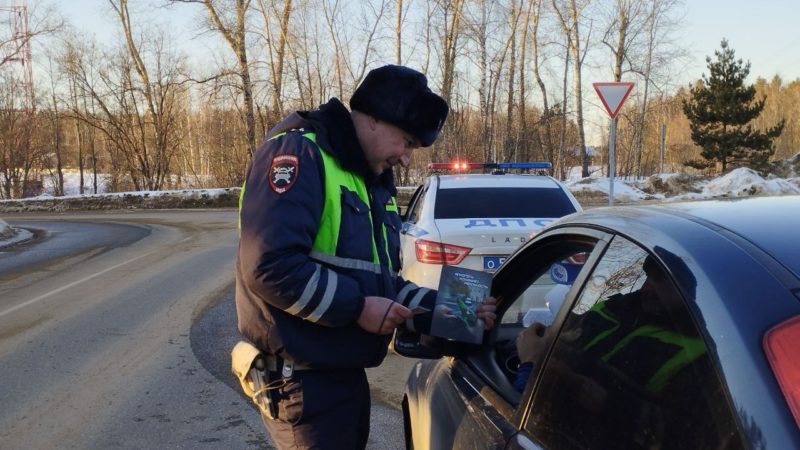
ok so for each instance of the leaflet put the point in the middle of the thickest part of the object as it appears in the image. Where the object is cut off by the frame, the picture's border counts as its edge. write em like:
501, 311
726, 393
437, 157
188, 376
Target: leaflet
460, 292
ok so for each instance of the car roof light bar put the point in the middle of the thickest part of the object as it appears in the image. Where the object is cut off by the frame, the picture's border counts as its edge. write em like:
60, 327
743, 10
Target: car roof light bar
460, 166
525, 165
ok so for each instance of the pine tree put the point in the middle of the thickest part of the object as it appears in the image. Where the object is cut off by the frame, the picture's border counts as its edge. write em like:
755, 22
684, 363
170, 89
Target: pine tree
719, 110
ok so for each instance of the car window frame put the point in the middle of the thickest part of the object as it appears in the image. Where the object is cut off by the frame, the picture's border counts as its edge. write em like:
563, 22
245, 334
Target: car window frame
480, 359
415, 204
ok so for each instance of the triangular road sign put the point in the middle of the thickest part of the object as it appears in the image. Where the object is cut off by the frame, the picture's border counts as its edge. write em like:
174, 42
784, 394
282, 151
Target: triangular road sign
613, 95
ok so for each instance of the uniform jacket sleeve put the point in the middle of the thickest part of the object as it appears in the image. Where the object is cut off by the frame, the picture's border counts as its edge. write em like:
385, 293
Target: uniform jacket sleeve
411, 295
278, 232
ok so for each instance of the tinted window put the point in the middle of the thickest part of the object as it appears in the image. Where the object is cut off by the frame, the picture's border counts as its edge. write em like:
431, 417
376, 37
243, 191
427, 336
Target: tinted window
629, 368
501, 202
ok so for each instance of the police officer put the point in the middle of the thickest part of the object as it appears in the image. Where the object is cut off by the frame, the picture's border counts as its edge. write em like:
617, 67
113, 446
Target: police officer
317, 284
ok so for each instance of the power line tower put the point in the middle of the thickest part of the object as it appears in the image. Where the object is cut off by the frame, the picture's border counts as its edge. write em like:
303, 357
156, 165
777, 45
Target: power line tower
15, 50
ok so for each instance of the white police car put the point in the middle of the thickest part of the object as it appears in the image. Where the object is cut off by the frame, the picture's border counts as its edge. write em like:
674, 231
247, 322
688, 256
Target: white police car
476, 220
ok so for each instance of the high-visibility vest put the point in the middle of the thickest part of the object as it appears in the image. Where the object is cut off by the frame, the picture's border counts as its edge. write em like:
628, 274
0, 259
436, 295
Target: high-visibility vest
327, 238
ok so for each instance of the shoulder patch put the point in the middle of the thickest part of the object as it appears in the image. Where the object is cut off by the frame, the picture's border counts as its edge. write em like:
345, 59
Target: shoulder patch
283, 173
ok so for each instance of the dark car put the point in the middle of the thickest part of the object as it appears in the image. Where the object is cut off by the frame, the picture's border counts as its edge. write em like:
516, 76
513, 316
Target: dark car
672, 326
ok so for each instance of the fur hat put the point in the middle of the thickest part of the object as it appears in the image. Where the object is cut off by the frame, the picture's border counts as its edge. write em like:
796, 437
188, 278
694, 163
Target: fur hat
401, 96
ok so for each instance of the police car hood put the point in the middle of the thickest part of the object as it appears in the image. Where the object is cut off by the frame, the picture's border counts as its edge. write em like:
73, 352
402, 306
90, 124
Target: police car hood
493, 236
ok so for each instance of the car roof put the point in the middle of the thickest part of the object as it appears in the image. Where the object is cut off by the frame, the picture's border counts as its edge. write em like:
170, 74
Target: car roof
770, 223
767, 222
479, 180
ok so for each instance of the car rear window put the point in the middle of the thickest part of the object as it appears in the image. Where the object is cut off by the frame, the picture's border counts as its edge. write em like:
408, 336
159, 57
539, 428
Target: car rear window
501, 202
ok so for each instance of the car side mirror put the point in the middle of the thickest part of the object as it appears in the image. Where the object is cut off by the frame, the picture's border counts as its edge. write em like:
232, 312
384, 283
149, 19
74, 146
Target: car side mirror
414, 345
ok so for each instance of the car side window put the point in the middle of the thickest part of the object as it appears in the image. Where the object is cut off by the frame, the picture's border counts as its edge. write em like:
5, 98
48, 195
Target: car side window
542, 299
629, 368
415, 209
523, 344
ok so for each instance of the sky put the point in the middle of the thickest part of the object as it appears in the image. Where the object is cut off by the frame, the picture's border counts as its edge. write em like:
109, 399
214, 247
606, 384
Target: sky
763, 33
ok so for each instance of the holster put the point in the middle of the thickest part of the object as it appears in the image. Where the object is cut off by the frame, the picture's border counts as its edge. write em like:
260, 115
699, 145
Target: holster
249, 366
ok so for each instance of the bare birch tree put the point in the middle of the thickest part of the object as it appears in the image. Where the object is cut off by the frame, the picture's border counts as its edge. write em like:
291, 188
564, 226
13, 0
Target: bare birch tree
276, 42
569, 16
487, 30
229, 18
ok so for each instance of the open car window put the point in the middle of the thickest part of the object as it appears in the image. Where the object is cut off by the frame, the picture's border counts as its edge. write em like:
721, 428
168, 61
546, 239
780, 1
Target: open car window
542, 299
533, 286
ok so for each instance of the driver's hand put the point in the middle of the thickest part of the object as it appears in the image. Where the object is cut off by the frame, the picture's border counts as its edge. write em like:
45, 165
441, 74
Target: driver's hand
528, 342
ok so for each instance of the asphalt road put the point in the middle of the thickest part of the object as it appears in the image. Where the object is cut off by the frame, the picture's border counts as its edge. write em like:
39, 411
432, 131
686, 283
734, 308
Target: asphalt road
115, 331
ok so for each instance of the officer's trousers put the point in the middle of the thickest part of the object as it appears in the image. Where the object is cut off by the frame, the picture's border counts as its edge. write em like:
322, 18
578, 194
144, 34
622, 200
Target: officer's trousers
322, 409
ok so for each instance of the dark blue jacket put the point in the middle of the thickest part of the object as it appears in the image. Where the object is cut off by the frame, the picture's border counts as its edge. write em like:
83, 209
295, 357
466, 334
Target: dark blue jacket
290, 300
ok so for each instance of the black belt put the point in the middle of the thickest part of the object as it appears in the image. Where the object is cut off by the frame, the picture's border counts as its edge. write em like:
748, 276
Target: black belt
285, 366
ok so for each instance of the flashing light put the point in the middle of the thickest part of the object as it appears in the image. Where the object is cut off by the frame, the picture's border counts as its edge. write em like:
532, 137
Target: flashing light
439, 253
461, 166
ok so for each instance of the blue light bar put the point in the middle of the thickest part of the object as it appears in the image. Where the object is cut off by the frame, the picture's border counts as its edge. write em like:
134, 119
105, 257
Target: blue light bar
525, 165
464, 167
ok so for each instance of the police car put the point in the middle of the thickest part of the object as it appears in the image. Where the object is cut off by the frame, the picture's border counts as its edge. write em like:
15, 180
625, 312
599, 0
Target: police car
475, 220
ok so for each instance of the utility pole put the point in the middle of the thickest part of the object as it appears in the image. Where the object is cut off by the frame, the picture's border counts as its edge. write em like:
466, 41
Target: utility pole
661, 153
16, 52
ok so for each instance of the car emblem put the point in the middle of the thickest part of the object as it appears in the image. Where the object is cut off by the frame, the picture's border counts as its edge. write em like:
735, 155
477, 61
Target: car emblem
283, 173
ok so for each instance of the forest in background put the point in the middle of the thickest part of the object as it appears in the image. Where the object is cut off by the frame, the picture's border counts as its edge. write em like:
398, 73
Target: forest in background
140, 112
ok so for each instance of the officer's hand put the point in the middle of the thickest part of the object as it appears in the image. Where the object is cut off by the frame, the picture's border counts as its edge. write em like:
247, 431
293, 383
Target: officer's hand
382, 315
485, 311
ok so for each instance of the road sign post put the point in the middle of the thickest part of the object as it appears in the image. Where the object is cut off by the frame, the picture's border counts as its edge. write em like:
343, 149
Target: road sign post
612, 95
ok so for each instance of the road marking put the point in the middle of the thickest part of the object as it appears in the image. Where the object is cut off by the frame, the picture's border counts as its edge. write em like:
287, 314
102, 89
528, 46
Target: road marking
67, 286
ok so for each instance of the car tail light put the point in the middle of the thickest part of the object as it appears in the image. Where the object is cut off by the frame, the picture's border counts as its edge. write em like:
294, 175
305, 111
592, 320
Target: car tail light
578, 258
780, 345
438, 253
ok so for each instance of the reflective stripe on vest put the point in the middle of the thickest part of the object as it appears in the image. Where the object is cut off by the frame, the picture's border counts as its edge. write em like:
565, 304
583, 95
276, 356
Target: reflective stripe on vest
691, 348
599, 309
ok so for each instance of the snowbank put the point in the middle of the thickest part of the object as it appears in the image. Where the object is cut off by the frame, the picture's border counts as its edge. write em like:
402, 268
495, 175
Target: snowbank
5, 230
185, 198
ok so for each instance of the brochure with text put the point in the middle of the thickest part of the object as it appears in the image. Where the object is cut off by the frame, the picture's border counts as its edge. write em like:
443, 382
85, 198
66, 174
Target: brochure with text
460, 292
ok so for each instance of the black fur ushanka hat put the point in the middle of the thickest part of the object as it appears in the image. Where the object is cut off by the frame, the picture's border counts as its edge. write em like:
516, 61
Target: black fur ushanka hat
401, 96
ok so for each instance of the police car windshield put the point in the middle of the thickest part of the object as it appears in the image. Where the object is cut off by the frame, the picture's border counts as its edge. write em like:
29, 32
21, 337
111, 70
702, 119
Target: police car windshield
462, 203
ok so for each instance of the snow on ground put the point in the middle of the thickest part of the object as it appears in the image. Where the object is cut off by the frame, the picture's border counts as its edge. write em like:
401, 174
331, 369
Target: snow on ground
9, 235
740, 182
623, 191
72, 183
183, 193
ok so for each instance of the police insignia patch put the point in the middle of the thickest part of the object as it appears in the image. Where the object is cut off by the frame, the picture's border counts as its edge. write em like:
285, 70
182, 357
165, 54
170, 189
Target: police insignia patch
283, 173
